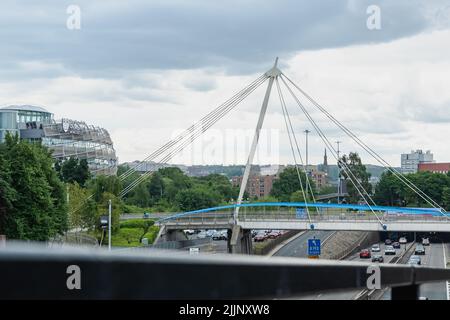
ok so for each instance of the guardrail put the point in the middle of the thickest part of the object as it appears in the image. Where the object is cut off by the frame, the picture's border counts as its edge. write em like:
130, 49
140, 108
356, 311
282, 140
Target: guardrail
40, 273
291, 216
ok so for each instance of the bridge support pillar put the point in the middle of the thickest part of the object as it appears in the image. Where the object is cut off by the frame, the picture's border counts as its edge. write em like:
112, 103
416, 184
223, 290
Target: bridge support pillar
240, 240
170, 235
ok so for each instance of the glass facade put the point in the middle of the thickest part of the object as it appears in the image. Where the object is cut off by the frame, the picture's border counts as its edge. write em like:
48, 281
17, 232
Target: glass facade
65, 138
8, 123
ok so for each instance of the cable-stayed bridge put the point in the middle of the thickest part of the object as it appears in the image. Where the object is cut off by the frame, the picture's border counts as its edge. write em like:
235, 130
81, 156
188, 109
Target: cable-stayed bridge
314, 215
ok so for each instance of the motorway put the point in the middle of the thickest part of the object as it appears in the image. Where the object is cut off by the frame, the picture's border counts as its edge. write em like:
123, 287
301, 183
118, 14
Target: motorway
435, 256
299, 246
350, 294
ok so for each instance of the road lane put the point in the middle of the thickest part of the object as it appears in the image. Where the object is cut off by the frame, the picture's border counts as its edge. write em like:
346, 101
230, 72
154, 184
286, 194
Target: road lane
434, 257
299, 246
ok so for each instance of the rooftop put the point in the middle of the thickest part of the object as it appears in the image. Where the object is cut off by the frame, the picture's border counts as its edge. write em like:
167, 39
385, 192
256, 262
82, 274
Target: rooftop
25, 108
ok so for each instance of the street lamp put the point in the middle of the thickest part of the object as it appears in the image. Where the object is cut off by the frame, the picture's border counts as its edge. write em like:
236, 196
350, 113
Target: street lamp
109, 226
339, 170
306, 133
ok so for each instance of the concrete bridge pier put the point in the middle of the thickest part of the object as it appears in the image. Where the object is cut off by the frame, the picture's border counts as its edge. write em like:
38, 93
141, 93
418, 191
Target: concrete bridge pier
170, 235
240, 240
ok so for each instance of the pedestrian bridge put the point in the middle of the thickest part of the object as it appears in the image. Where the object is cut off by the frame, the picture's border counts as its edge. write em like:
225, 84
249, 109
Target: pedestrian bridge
312, 216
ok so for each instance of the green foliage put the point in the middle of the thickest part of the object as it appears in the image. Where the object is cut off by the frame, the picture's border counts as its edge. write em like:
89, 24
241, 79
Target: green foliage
288, 183
169, 189
73, 170
82, 208
391, 191
197, 198
132, 237
7, 193
358, 171
34, 198
103, 209
137, 223
327, 190
102, 184
446, 197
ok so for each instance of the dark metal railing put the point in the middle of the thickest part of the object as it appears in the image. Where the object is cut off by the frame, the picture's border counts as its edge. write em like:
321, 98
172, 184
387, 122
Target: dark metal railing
42, 273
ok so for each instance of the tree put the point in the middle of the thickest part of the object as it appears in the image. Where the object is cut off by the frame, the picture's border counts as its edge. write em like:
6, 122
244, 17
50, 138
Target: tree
174, 181
196, 198
288, 183
102, 184
82, 208
156, 187
354, 169
389, 191
446, 198
73, 170
38, 210
220, 184
7, 193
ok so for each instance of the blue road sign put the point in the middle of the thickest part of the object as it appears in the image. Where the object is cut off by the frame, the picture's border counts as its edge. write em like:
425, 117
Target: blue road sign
314, 247
300, 213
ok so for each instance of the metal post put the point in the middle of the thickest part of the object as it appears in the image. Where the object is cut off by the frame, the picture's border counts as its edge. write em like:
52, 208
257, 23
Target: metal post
109, 227
306, 167
339, 172
272, 74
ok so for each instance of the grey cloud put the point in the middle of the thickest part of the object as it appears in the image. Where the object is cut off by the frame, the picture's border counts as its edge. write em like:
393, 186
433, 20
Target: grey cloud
239, 36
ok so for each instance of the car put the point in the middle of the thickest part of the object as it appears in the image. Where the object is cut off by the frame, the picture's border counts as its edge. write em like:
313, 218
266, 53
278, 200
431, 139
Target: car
403, 240
202, 235
388, 242
389, 250
146, 215
396, 245
261, 236
425, 241
377, 258
274, 234
210, 233
415, 260
420, 250
189, 232
364, 254
220, 235
254, 233
376, 248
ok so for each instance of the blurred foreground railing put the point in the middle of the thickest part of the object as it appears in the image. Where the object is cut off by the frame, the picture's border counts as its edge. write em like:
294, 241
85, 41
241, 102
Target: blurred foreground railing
41, 273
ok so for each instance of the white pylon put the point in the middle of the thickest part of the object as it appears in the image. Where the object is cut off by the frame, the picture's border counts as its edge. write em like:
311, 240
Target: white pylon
272, 74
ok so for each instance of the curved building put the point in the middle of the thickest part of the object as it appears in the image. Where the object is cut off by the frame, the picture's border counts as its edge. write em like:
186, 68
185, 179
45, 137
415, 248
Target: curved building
65, 138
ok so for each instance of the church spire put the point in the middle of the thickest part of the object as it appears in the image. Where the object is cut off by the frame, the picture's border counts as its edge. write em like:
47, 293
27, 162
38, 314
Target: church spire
325, 161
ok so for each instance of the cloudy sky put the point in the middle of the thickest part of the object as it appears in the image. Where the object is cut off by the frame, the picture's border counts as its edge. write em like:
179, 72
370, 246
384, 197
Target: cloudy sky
147, 69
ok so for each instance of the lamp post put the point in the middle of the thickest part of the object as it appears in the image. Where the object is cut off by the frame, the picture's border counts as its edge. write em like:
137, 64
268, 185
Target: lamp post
109, 226
306, 168
339, 170
306, 133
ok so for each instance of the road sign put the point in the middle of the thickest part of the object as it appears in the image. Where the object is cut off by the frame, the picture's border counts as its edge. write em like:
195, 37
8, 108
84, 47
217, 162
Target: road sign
313, 247
194, 250
300, 213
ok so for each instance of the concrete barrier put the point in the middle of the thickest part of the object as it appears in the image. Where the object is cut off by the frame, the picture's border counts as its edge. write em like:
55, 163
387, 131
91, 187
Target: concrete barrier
273, 243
